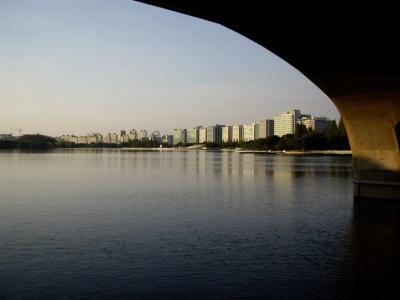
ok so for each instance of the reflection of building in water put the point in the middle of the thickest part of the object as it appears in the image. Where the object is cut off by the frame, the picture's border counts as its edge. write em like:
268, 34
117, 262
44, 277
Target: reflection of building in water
226, 164
282, 179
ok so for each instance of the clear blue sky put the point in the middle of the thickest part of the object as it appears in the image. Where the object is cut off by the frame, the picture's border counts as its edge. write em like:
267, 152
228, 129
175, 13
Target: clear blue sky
102, 65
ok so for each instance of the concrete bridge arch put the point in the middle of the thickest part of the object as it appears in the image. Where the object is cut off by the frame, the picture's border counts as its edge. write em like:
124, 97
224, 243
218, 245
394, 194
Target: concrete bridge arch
350, 53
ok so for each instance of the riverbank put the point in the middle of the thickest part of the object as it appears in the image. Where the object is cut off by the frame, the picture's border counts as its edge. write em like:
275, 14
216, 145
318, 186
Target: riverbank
311, 152
184, 149
241, 151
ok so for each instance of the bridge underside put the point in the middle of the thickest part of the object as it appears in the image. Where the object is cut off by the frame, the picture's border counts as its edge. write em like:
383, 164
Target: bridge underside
351, 54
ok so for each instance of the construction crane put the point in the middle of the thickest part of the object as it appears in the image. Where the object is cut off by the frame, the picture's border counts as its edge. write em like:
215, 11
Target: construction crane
17, 129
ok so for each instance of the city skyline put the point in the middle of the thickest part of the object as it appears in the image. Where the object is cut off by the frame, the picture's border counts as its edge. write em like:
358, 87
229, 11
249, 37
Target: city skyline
282, 124
101, 66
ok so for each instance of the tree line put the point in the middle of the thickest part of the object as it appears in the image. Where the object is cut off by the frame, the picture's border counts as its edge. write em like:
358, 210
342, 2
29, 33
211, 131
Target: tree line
29, 142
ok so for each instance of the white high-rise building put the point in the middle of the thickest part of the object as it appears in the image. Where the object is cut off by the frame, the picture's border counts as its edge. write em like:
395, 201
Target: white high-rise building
237, 133
73, 139
285, 123
180, 136
320, 124
114, 138
227, 134
111, 138
263, 129
99, 137
123, 138
133, 135
193, 135
202, 135
214, 134
248, 132
168, 139
142, 135
211, 134
82, 139
155, 136
91, 139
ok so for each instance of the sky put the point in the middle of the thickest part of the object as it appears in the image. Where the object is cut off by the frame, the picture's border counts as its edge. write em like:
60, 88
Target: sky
75, 67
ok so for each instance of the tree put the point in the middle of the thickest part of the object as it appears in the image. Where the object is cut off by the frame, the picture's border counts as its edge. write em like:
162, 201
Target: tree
300, 130
36, 141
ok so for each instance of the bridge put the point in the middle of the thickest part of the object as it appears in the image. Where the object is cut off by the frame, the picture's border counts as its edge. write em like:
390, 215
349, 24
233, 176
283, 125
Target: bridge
351, 54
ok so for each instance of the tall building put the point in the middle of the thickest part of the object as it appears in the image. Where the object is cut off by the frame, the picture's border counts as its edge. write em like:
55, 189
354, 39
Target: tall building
123, 138
168, 139
99, 137
155, 136
227, 134
73, 139
180, 136
64, 137
193, 135
133, 135
211, 134
237, 133
214, 134
263, 129
248, 132
202, 135
82, 140
142, 135
285, 123
219, 133
91, 139
114, 138
320, 124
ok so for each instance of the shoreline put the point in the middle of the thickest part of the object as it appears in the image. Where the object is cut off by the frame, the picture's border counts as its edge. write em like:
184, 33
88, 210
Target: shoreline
238, 151
270, 152
299, 153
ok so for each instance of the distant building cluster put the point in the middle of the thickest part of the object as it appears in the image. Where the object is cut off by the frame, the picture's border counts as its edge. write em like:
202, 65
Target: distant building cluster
282, 124
115, 138
285, 123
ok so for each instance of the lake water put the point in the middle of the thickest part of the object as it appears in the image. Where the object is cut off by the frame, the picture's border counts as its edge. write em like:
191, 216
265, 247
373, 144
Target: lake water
112, 224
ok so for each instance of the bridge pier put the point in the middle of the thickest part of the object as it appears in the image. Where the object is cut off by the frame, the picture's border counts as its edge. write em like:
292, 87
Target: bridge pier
373, 127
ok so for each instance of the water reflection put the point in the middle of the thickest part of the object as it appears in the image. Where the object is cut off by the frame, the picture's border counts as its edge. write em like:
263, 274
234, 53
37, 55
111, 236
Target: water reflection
78, 223
373, 259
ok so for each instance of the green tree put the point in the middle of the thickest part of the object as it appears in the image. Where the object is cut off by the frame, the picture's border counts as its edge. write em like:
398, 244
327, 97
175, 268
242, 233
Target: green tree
300, 130
36, 141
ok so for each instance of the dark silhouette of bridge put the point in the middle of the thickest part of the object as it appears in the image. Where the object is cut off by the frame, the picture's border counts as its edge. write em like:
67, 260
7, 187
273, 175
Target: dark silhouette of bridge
350, 53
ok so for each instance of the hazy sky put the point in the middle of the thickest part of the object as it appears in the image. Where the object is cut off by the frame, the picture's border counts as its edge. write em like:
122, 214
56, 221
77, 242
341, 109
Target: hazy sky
103, 65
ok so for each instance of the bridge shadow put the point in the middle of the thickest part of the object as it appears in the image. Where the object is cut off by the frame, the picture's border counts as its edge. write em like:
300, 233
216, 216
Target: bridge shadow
374, 249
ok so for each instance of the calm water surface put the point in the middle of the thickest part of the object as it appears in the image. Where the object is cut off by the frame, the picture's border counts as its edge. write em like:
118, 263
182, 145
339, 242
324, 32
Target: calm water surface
110, 224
